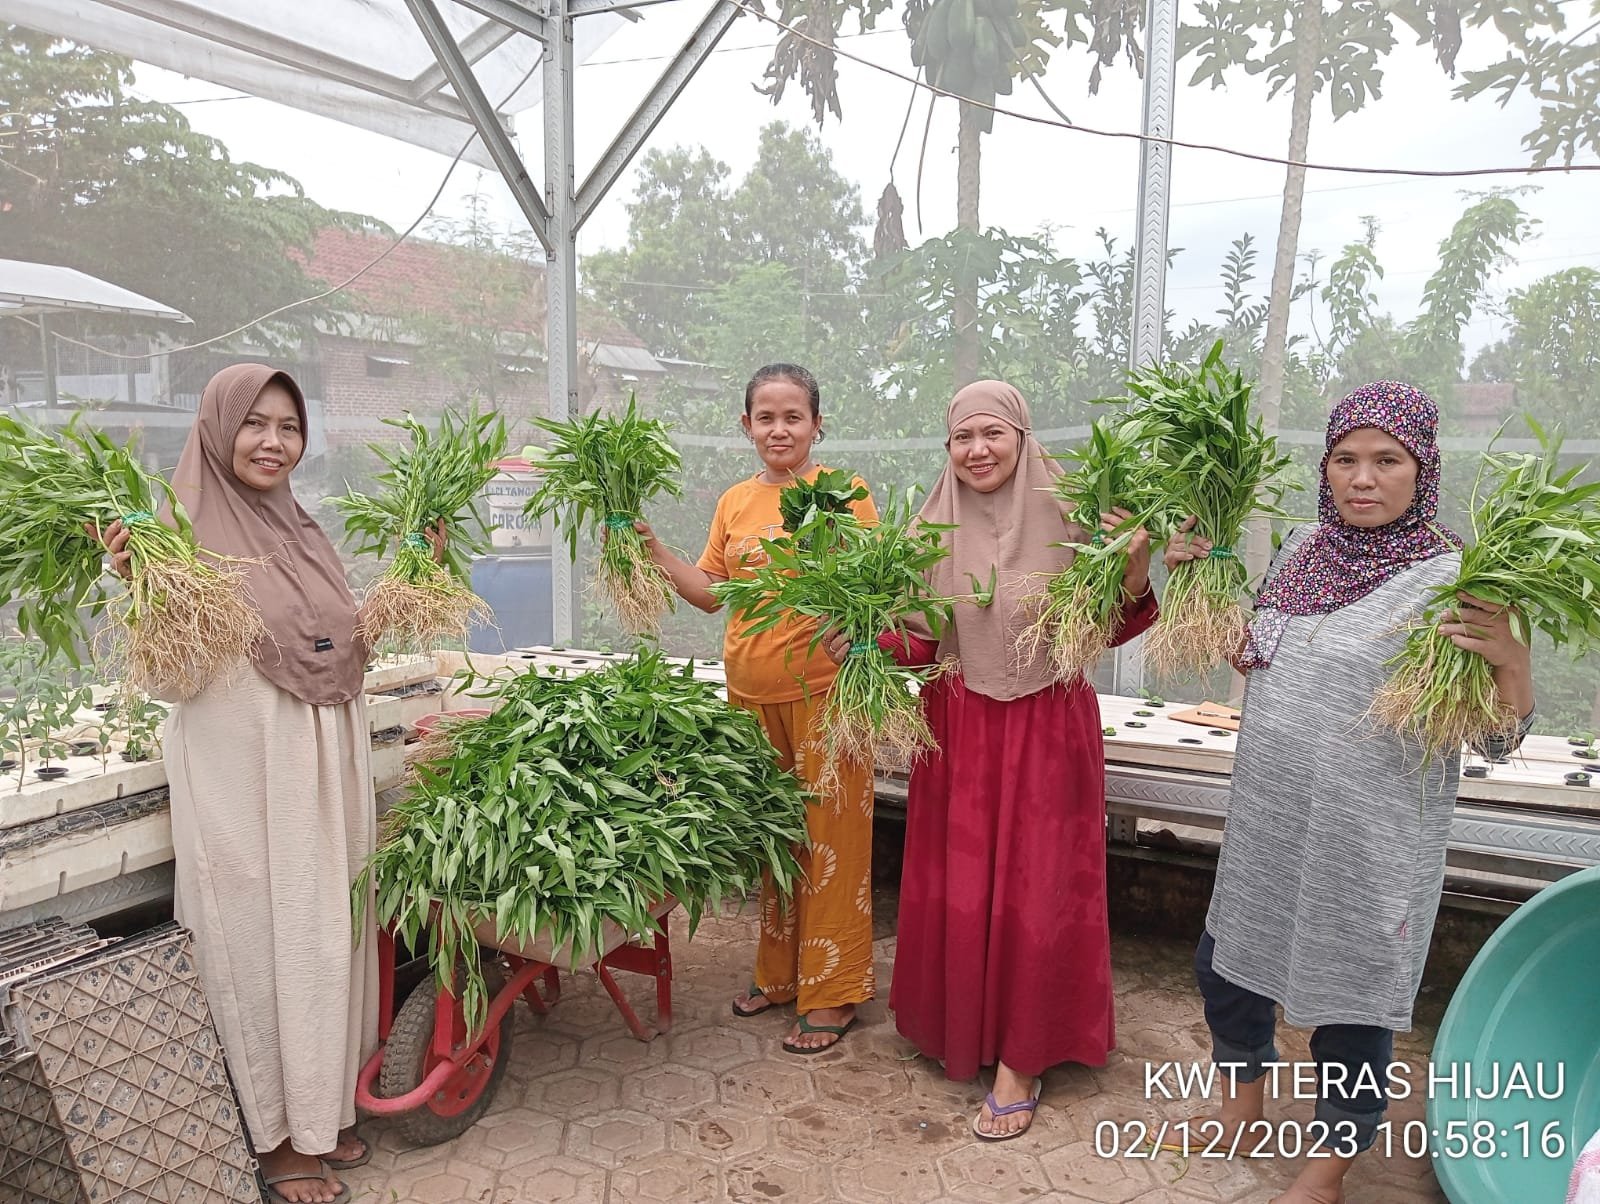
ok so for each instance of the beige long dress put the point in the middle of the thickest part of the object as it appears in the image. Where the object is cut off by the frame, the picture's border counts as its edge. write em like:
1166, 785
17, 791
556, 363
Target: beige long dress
272, 818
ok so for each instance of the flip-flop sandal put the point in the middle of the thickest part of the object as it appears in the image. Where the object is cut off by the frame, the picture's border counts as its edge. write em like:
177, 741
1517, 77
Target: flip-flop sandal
278, 1197
350, 1164
752, 993
838, 1031
997, 1110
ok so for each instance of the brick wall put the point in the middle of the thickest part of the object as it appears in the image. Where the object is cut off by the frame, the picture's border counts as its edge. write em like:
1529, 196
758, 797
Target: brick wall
350, 391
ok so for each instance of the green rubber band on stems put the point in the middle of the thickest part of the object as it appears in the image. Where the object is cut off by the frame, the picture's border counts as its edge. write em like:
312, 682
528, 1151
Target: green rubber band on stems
1221, 553
620, 522
861, 647
137, 516
419, 542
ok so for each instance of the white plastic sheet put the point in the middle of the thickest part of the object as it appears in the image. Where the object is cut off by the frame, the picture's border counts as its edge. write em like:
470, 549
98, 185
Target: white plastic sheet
362, 62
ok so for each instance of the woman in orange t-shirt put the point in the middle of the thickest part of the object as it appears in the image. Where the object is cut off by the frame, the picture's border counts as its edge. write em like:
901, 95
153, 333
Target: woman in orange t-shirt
817, 951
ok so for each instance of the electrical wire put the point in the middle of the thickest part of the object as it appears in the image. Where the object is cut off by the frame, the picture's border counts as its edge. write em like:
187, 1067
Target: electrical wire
328, 292
1036, 119
744, 6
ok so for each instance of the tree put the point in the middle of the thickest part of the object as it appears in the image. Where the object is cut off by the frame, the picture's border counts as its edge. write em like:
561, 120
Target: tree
1552, 352
124, 189
974, 50
678, 248
684, 277
1563, 73
493, 304
1363, 345
1306, 46
1468, 257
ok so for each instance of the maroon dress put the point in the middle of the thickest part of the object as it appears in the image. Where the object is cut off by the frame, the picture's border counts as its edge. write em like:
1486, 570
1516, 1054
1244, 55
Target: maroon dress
1004, 948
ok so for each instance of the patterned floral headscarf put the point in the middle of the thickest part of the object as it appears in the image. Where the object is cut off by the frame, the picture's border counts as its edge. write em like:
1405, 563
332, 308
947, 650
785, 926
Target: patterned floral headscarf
1338, 563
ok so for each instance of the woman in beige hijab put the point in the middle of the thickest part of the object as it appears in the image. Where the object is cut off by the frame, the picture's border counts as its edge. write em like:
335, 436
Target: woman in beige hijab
1003, 955
273, 812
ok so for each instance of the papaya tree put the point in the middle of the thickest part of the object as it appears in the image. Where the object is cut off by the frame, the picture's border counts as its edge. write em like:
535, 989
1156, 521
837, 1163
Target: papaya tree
974, 50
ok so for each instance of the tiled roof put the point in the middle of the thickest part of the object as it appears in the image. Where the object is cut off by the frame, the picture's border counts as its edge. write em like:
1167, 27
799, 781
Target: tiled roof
420, 276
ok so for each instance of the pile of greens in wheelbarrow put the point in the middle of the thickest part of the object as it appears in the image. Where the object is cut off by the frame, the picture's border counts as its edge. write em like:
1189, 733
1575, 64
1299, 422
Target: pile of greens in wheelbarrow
582, 800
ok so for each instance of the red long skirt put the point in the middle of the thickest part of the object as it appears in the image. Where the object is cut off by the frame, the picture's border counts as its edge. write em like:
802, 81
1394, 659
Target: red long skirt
1004, 947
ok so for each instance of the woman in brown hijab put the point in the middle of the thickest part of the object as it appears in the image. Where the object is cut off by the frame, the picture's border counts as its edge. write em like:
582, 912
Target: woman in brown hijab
1003, 955
273, 812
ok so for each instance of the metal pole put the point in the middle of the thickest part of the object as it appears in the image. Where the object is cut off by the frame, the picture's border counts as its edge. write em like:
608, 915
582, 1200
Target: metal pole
1150, 277
47, 351
1150, 254
561, 277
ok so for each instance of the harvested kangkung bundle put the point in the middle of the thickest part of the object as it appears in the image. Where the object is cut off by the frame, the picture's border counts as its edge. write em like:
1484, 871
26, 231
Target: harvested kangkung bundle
597, 475
1535, 549
833, 492
1080, 607
579, 802
860, 580
1217, 462
184, 615
436, 478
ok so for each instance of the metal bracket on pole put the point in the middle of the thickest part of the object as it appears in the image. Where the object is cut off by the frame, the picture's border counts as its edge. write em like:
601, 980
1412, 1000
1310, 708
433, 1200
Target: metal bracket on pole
484, 118
561, 277
1150, 255
645, 118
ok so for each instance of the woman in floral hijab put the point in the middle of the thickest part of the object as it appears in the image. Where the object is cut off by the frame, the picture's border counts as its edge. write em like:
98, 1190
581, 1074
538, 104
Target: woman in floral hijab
1333, 860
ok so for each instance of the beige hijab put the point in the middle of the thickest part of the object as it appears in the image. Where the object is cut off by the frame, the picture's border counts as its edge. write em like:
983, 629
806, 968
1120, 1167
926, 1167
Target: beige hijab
1010, 533
296, 579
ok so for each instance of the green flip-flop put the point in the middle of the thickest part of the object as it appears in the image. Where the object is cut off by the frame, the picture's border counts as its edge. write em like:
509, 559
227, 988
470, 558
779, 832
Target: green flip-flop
754, 992
838, 1031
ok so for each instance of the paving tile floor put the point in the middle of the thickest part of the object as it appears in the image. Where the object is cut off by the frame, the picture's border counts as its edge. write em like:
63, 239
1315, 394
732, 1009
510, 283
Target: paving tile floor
715, 1110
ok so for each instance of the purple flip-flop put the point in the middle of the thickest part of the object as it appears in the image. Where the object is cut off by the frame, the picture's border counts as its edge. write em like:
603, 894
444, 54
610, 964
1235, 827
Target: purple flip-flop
997, 1110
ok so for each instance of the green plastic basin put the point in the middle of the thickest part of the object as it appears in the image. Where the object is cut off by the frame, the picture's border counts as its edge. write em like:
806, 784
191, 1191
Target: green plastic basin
1530, 1002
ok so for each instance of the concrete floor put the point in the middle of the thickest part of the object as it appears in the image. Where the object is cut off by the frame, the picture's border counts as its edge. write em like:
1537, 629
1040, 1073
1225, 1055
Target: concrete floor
716, 1110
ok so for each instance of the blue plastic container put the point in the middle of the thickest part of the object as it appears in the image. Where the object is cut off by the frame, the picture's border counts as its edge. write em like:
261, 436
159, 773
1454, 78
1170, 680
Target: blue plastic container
517, 589
1529, 1005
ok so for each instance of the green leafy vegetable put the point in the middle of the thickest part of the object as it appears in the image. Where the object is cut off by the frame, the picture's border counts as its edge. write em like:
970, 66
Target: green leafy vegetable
1535, 549
1216, 461
180, 620
833, 492
438, 477
861, 580
598, 473
1079, 610
582, 800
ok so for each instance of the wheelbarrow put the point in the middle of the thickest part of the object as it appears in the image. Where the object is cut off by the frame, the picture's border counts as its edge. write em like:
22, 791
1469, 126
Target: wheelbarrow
434, 1078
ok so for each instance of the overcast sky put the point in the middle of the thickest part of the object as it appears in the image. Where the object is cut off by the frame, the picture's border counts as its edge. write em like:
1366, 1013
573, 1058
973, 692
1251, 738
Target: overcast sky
1032, 175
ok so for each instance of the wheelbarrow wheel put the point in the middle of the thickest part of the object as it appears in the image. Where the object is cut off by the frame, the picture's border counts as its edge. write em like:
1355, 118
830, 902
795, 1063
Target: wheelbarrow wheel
409, 1057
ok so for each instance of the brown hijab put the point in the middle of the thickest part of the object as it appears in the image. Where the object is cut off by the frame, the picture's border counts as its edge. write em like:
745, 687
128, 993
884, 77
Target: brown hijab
296, 579
1010, 534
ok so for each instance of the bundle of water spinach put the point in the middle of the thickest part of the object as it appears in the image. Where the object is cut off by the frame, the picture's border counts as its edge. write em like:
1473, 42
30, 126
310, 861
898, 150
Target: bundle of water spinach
582, 800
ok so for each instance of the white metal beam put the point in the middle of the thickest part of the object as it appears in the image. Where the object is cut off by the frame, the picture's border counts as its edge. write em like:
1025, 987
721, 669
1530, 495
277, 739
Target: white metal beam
654, 106
1150, 255
587, 8
477, 45
484, 119
518, 16
197, 19
560, 278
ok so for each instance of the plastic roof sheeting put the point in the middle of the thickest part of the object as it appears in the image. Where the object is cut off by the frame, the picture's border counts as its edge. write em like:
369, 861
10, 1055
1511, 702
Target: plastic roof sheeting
46, 288
363, 62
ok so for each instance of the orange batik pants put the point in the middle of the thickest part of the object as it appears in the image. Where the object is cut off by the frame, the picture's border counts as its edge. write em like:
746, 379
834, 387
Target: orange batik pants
817, 949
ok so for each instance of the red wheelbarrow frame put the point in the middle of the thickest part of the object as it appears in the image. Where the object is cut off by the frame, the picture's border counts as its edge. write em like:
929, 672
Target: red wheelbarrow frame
454, 1054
